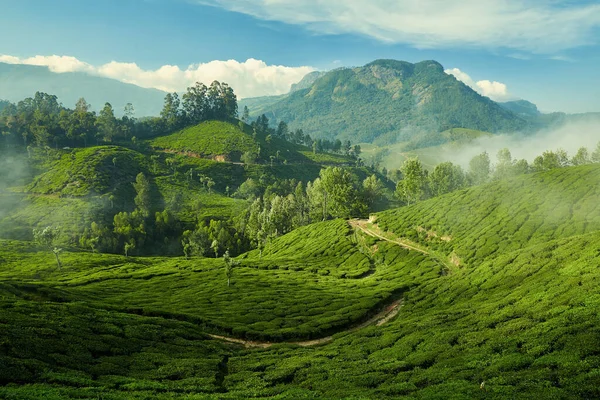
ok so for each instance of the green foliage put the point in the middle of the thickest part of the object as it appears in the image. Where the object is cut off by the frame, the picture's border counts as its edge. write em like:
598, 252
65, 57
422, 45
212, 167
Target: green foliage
489, 220
90, 171
209, 139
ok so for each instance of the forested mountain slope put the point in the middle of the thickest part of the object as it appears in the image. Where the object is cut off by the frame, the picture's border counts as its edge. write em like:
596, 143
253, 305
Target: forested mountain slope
387, 101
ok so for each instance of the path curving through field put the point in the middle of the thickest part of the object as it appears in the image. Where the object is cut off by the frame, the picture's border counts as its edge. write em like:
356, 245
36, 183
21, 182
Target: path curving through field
385, 315
363, 225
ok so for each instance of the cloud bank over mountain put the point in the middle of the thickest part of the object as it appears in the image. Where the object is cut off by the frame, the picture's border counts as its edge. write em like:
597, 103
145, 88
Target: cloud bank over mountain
250, 78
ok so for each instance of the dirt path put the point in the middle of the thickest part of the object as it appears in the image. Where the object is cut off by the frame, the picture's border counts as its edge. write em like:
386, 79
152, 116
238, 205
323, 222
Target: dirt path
363, 225
379, 319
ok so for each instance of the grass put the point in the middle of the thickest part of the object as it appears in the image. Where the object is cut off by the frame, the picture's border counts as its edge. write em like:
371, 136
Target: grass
211, 138
91, 171
487, 221
520, 313
276, 297
227, 142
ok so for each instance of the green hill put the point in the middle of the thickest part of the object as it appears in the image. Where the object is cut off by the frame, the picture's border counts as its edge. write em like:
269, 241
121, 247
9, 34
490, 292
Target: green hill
226, 141
484, 222
387, 101
517, 318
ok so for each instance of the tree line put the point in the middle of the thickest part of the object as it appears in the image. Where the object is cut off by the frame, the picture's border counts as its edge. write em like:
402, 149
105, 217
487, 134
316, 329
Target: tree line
415, 183
276, 207
297, 136
43, 121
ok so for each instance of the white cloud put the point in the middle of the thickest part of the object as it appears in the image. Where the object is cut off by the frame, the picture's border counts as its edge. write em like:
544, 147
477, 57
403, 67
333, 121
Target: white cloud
249, 79
496, 91
538, 26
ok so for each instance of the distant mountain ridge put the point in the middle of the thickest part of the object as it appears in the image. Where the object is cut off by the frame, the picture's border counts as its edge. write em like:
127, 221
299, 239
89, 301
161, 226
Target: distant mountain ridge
385, 101
18, 82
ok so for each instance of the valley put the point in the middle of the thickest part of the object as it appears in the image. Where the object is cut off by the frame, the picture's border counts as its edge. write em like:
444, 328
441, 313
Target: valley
209, 254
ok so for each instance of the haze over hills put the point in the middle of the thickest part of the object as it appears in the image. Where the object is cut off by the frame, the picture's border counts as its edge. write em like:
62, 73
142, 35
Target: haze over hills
386, 101
18, 82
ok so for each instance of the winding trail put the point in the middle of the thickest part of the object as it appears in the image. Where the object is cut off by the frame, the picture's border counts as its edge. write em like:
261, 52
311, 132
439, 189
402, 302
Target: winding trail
385, 315
363, 225
382, 317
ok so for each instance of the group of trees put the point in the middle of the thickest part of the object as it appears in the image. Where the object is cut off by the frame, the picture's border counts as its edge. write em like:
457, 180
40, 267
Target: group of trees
336, 193
415, 183
199, 103
42, 121
275, 208
282, 131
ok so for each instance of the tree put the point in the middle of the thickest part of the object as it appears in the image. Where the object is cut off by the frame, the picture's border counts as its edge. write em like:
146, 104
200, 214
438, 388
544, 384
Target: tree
107, 123
195, 103
282, 130
412, 188
249, 157
372, 188
445, 178
142, 199
246, 114
551, 160
595, 158
215, 247
171, 113
479, 168
504, 167
210, 184
230, 264
336, 190
47, 237
130, 245
582, 157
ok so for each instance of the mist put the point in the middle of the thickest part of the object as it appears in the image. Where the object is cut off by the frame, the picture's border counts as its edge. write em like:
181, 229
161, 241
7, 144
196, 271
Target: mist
569, 137
14, 172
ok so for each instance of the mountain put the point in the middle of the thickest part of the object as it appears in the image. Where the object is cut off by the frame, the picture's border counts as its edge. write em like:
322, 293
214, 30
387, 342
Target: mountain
522, 108
307, 81
386, 101
18, 82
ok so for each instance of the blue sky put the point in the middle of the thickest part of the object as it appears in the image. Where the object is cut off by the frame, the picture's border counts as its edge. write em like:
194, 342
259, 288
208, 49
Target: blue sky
547, 52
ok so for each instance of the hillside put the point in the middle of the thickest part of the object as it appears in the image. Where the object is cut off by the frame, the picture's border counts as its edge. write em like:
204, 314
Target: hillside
225, 141
387, 101
484, 222
21, 81
72, 187
516, 318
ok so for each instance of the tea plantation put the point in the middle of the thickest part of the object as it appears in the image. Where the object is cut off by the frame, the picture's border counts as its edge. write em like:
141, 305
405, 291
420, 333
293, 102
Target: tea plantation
516, 318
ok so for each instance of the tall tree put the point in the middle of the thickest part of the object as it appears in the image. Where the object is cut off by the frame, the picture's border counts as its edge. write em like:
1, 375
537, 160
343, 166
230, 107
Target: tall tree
282, 130
445, 178
505, 165
412, 188
195, 103
48, 237
171, 114
246, 114
107, 123
142, 199
582, 157
479, 168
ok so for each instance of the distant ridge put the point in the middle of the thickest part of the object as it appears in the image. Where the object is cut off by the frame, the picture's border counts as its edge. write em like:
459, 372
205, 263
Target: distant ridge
18, 82
385, 101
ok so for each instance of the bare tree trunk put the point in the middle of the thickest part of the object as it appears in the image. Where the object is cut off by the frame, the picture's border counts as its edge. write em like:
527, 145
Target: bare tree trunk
58, 261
